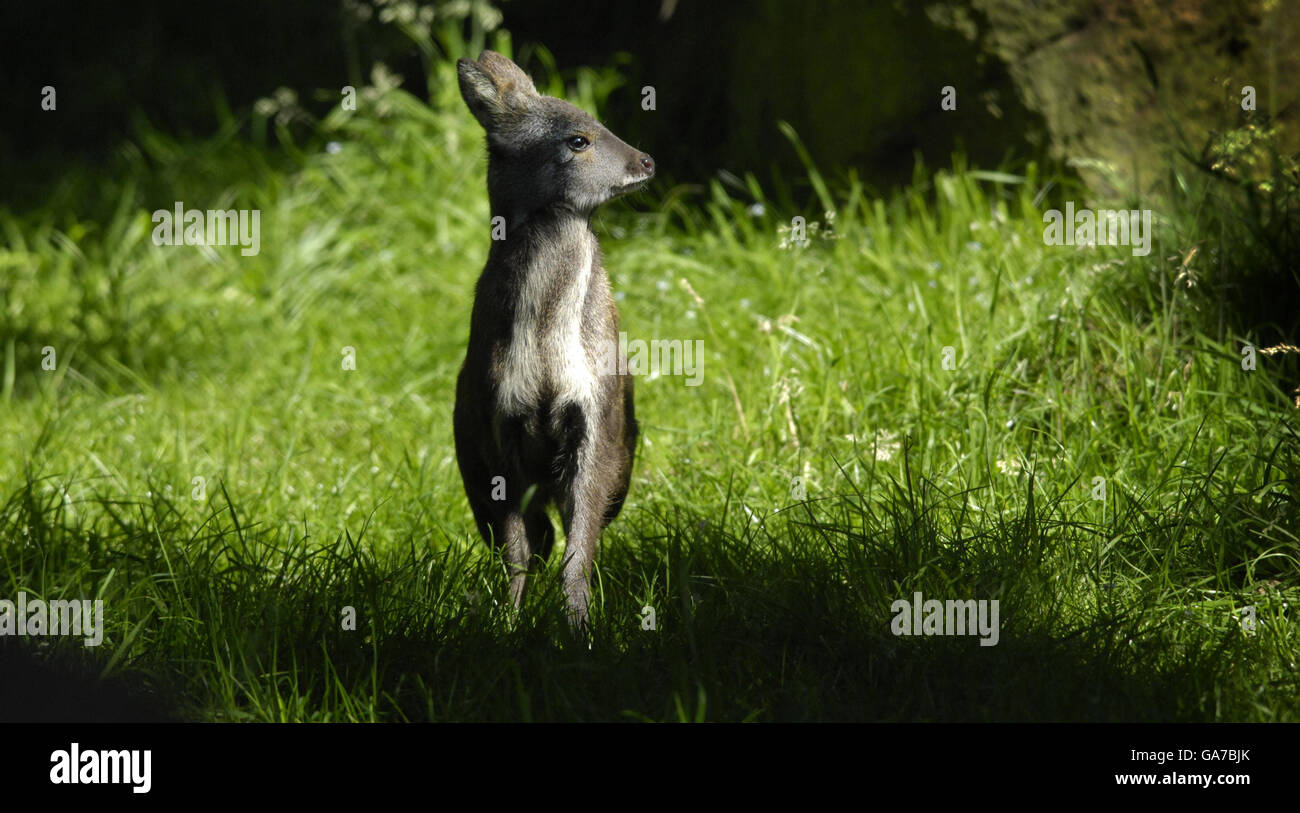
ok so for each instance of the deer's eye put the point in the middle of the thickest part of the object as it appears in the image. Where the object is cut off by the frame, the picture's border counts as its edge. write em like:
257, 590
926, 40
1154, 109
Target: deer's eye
578, 143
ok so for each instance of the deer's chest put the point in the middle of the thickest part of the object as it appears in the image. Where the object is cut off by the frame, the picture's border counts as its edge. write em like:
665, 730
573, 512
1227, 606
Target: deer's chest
547, 360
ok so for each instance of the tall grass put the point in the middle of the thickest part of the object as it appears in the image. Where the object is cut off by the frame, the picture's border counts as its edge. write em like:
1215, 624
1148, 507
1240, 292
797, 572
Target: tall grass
200, 459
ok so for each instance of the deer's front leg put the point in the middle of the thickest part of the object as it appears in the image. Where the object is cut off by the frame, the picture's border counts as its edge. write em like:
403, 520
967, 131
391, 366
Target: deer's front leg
518, 554
582, 533
583, 507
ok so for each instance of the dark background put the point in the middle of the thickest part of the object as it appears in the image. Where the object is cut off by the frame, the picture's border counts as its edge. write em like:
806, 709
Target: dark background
1120, 84
859, 81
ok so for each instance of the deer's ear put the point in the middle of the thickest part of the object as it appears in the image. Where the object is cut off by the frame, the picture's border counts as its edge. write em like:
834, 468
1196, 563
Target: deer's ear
493, 87
479, 92
509, 77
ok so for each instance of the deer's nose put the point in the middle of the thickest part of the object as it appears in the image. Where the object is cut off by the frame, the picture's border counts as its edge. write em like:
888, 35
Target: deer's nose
647, 163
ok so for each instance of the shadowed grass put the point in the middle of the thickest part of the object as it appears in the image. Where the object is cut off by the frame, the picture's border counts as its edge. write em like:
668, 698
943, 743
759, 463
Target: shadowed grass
919, 397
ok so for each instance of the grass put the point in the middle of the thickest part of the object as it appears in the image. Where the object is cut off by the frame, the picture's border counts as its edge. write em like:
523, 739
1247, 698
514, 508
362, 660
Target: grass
201, 460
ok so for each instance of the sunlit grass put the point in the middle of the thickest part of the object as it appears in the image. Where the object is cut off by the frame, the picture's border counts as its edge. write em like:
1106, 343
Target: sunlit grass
202, 461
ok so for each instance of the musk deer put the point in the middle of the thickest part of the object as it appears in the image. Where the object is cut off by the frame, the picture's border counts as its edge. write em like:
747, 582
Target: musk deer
542, 416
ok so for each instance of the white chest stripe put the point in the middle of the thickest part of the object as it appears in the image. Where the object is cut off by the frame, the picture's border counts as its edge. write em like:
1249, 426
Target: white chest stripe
552, 353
